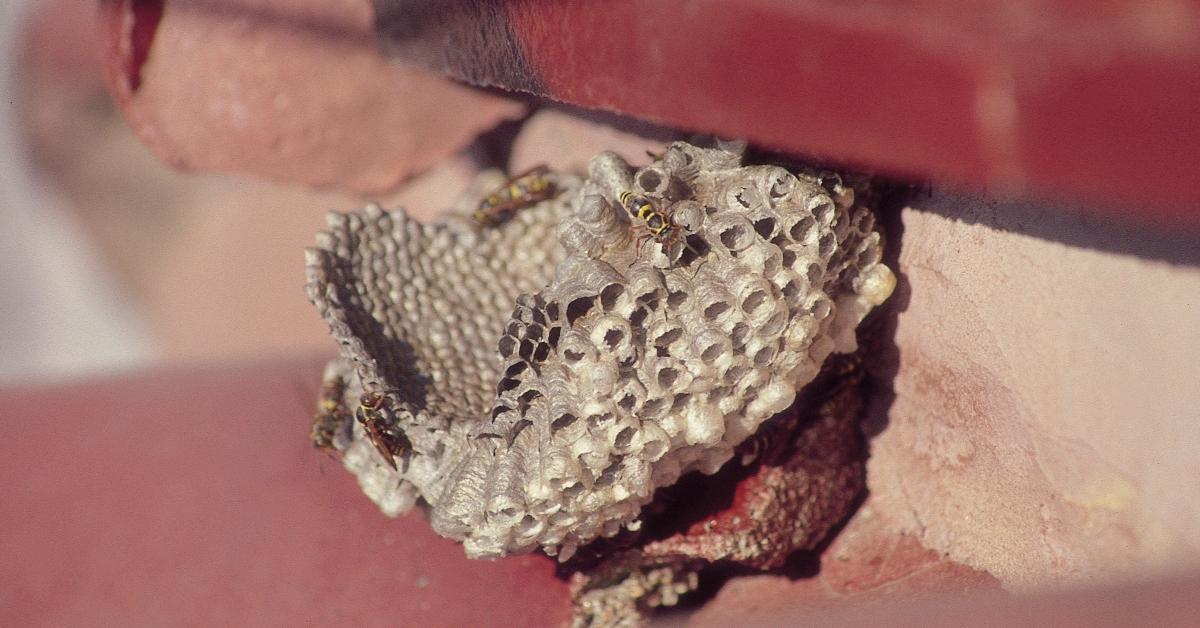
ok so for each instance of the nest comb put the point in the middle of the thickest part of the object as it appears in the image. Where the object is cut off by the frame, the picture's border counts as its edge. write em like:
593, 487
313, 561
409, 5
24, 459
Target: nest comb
553, 371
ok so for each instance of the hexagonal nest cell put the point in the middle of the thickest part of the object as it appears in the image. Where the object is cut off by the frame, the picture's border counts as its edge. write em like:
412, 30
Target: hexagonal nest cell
538, 380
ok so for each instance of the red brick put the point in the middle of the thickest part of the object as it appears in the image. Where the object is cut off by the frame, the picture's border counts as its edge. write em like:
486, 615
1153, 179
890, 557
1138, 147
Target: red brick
284, 90
1126, 129
1058, 98
783, 77
193, 497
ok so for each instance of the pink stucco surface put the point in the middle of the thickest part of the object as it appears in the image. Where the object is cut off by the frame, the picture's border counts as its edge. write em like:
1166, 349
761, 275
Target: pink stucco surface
1046, 419
867, 562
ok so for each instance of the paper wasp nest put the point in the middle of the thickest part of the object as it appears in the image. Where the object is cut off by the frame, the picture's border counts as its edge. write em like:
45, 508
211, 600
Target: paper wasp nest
550, 377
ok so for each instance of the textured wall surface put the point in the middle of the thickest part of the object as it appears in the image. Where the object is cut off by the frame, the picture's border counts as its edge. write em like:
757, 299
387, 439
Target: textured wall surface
1046, 418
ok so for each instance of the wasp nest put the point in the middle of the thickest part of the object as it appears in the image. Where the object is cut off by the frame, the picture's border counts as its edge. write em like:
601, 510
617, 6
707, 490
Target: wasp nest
551, 372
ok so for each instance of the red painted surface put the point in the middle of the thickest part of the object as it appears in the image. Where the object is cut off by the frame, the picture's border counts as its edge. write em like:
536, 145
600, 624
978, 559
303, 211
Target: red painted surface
290, 90
744, 80
144, 16
127, 32
1090, 102
194, 498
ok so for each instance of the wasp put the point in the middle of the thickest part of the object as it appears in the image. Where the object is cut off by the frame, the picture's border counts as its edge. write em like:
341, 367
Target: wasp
379, 424
661, 226
524, 190
332, 416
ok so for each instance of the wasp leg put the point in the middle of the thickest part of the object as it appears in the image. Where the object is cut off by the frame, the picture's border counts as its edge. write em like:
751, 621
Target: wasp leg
638, 247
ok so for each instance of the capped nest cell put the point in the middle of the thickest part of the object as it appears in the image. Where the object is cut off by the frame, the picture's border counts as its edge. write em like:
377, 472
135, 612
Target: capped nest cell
542, 378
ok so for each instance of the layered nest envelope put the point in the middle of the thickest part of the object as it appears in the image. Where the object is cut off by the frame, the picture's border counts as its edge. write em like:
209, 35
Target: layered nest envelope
543, 383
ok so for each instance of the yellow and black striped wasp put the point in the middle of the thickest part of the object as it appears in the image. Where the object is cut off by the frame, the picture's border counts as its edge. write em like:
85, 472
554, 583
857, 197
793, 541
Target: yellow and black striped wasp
524, 190
661, 226
379, 424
